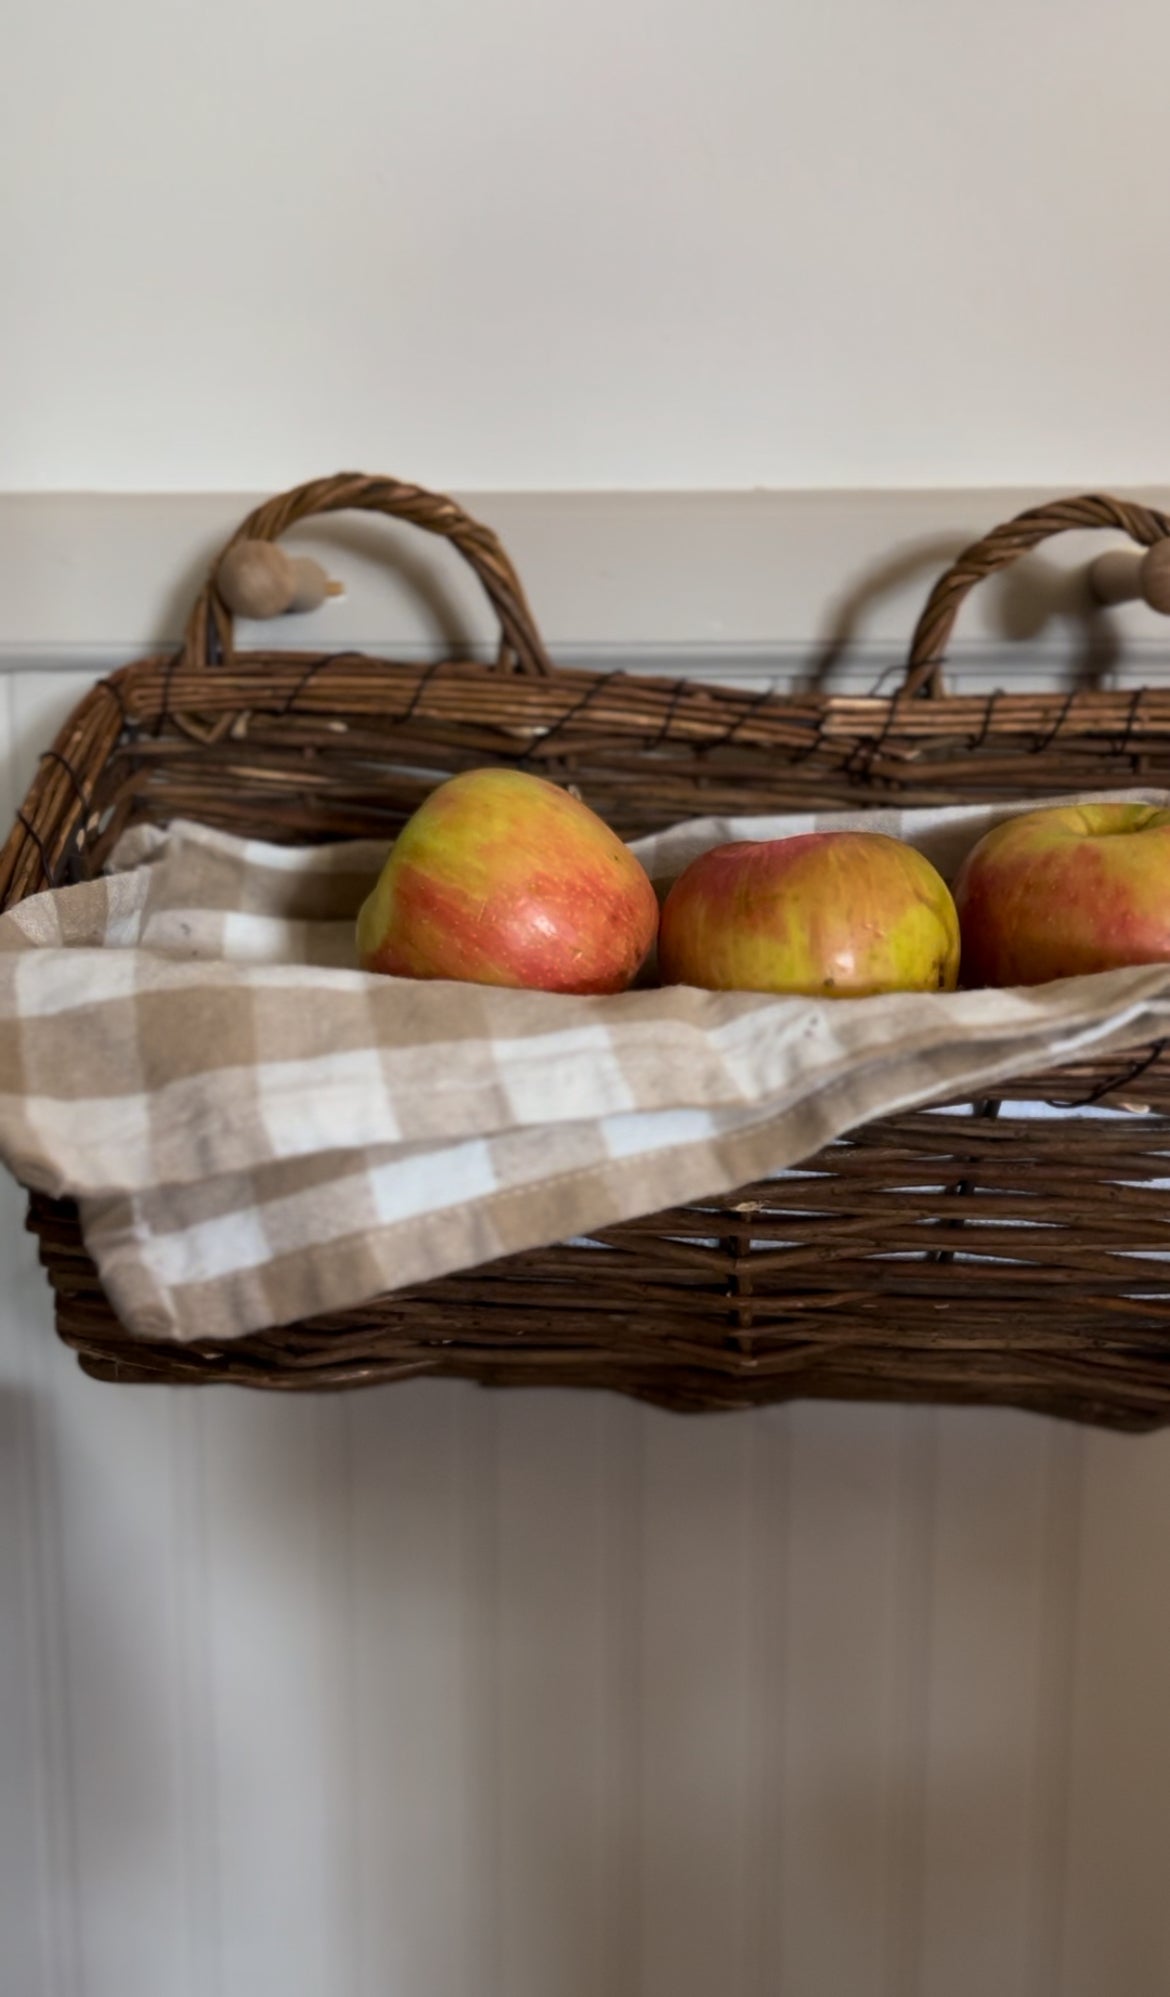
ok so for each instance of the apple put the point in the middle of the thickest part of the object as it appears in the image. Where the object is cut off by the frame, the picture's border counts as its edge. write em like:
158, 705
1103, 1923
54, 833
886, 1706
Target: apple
825, 914
500, 878
1056, 893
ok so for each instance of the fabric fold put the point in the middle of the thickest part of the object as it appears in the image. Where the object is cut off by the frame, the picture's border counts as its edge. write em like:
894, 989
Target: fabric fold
256, 1131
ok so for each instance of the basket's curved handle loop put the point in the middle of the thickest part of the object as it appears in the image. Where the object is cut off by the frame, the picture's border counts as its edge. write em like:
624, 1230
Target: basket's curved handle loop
209, 635
1142, 523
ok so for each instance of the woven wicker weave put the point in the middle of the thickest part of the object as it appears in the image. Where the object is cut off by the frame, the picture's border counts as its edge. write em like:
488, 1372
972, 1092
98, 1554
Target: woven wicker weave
897, 1267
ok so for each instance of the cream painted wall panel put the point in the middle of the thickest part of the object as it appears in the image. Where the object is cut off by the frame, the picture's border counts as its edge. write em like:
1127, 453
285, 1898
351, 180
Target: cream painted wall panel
758, 586
851, 1610
24, 1856
417, 1849
1001, 1589
697, 1748
1116, 1931
273, 1747
554, 1690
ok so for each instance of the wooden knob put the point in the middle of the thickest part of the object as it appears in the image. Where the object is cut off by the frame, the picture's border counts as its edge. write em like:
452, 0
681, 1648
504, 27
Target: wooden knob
259, 579
1156, 577
1123, 576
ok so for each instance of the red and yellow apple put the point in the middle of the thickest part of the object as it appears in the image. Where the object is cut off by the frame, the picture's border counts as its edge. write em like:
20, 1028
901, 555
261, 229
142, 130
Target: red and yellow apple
500, 878
1056, 893
824, 914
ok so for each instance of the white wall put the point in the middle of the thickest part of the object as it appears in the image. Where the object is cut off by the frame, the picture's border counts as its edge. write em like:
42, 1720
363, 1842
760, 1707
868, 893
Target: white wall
525, 244
420, 1693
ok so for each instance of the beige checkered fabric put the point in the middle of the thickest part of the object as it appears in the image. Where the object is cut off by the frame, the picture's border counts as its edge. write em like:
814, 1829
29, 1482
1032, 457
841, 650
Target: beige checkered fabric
256, 1131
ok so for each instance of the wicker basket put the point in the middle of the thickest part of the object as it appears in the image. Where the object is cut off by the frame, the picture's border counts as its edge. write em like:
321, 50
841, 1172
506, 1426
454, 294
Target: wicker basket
896, 1267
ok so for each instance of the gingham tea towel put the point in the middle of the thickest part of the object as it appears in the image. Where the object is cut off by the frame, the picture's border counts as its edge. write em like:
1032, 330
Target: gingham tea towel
258, 1132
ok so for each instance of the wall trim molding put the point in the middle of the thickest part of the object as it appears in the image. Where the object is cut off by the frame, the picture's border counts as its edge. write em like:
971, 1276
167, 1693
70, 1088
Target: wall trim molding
754, 584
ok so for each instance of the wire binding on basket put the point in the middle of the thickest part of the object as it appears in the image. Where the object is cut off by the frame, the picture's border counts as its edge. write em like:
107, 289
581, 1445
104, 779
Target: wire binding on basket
424, 680
48, 871
593, 691
59, 757
310, 673
1045, 741
829, 1281
1113, 1083
678, 694
1131, 720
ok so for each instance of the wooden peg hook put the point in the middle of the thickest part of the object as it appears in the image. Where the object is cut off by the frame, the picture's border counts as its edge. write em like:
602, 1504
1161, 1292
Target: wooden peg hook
258, 579
1124, 576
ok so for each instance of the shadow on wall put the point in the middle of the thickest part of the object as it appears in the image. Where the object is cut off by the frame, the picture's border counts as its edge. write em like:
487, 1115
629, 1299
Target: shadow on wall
1024, 601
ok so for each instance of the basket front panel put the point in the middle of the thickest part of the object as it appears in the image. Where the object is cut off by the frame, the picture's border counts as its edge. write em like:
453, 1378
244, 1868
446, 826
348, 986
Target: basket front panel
941, 1257
309, 747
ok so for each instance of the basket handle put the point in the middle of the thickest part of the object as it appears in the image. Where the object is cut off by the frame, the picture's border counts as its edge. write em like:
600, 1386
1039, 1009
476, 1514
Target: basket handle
209, 638
1015, 537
